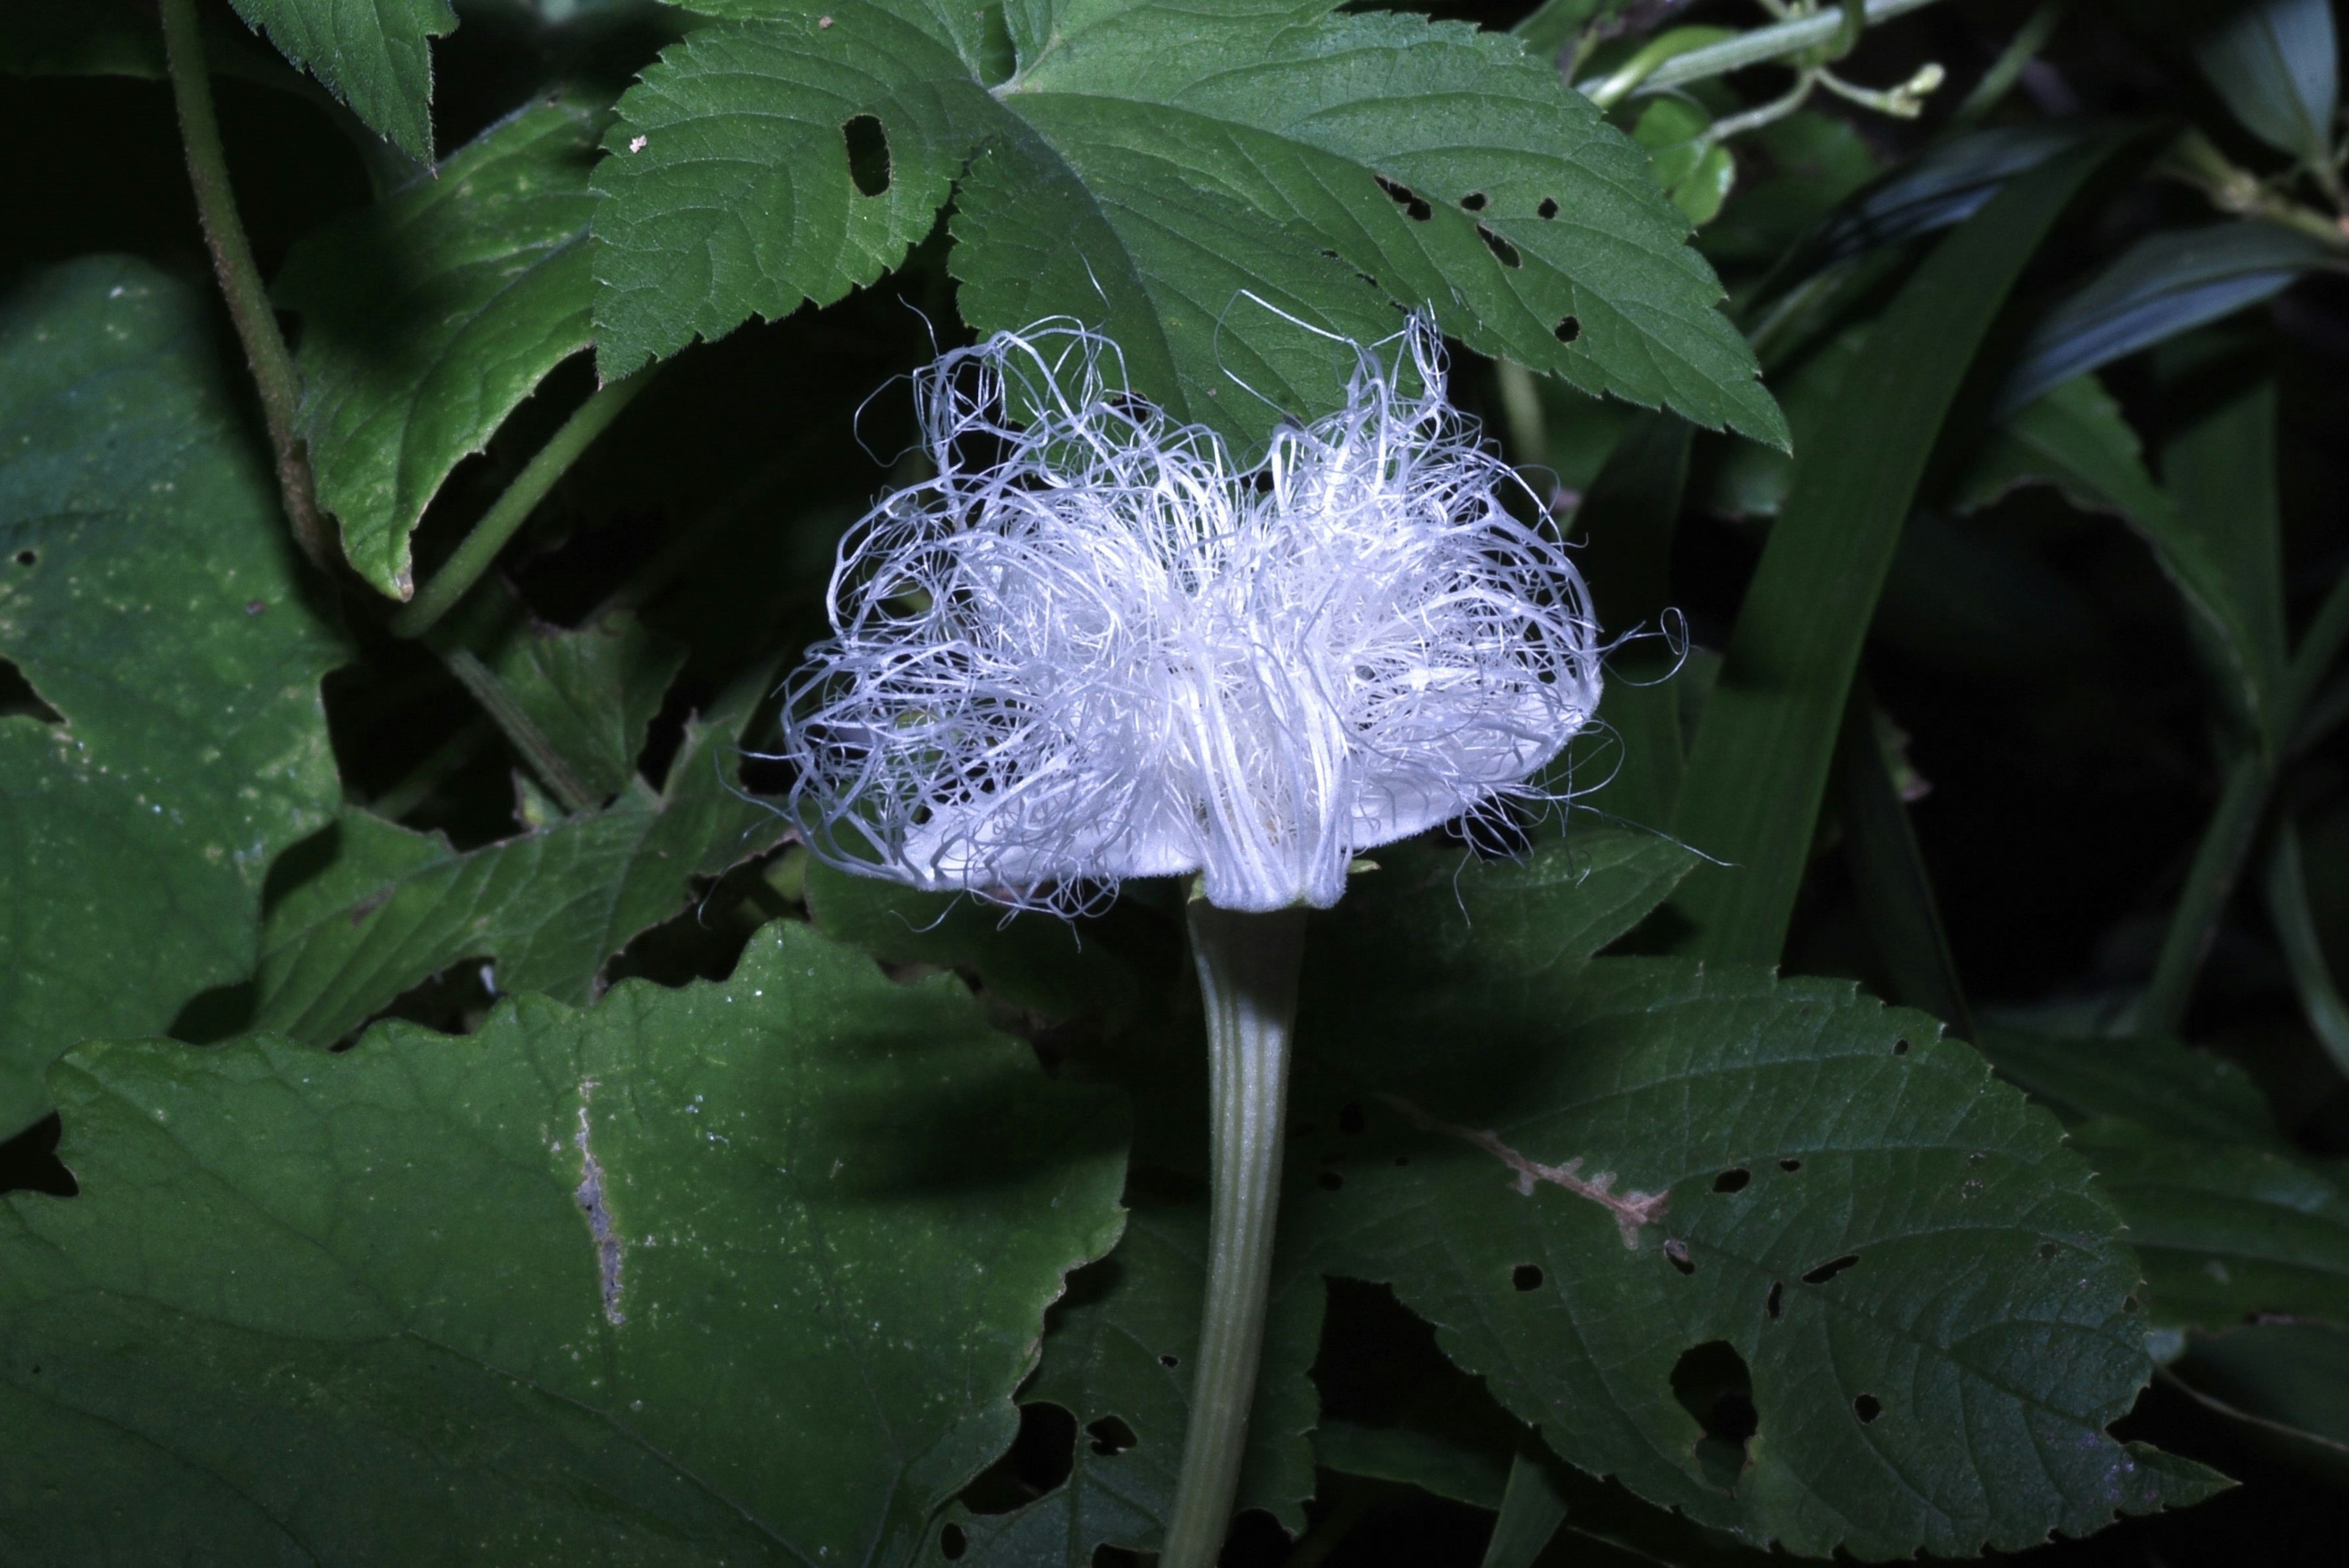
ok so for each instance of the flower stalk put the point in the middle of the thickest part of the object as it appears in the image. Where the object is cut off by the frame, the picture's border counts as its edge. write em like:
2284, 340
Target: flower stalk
1248, 967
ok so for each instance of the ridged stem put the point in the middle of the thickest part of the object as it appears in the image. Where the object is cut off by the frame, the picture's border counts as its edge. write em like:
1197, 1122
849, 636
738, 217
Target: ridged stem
1248, 978
255, 319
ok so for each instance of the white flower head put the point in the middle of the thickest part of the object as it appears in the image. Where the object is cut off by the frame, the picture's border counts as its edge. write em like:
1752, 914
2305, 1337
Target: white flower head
1099, 650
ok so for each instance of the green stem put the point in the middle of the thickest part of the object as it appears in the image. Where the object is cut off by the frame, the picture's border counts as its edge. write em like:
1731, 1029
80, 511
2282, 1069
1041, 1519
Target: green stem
2218, 862
2007, 69
509, 511
1764, 44
1248, 978
2287, 893
536, 749
255, 319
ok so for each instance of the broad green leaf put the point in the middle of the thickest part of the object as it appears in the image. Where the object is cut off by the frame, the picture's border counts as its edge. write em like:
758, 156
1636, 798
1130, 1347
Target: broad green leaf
1144, 167
2157, 1083
2277, 64
1118, 1357
430, 317
393, 907
745, 1272
1037, 961
1759, 766
1433, 915
1618, 1192
2164, 284
149, 596
592, 691
1555, 23
2227, 1232
374, 55
1696, 171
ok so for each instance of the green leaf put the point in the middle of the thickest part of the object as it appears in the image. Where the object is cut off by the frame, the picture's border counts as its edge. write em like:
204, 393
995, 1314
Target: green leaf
430, 317
393, 907
2164, 284
592, 691
2157, 1083
2277, 64
1117, 1358
1696, 171
1433, 914
2288, 1381
1786, 1193
148, 594
1037, 961
1759, 765
2229, 534
1141, 166
2225, 1232
374, 55
745, 1272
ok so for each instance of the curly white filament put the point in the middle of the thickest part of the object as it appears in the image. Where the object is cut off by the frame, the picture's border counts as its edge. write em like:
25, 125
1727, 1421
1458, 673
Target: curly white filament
1097, 649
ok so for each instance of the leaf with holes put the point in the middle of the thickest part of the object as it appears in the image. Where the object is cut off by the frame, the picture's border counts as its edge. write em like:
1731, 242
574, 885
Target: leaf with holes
427, 318
744, 1272
171, 740
1744, 1244
374, 55
1117, 1359
391, 908
1147, 167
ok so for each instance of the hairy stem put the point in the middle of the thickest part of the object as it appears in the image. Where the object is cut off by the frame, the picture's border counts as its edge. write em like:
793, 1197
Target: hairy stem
240, 280
1248, 978
510, 511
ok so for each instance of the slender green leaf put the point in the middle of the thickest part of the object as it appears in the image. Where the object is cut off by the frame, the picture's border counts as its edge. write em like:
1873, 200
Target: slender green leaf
2076, 439
1938, 189
2225, 1232
2153, 1081
745, 1272
1760, 763
2164, 284
1894, 891
148, 594
393, 907
1436, 1463
1633, 1196
2286, 885
427, 318
2221, 473
2278, 65
1144, 167
1532, 1508
2288, 1381
374, 55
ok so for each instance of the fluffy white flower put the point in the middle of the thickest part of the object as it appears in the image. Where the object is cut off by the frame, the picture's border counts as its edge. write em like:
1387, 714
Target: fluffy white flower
1091, 649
